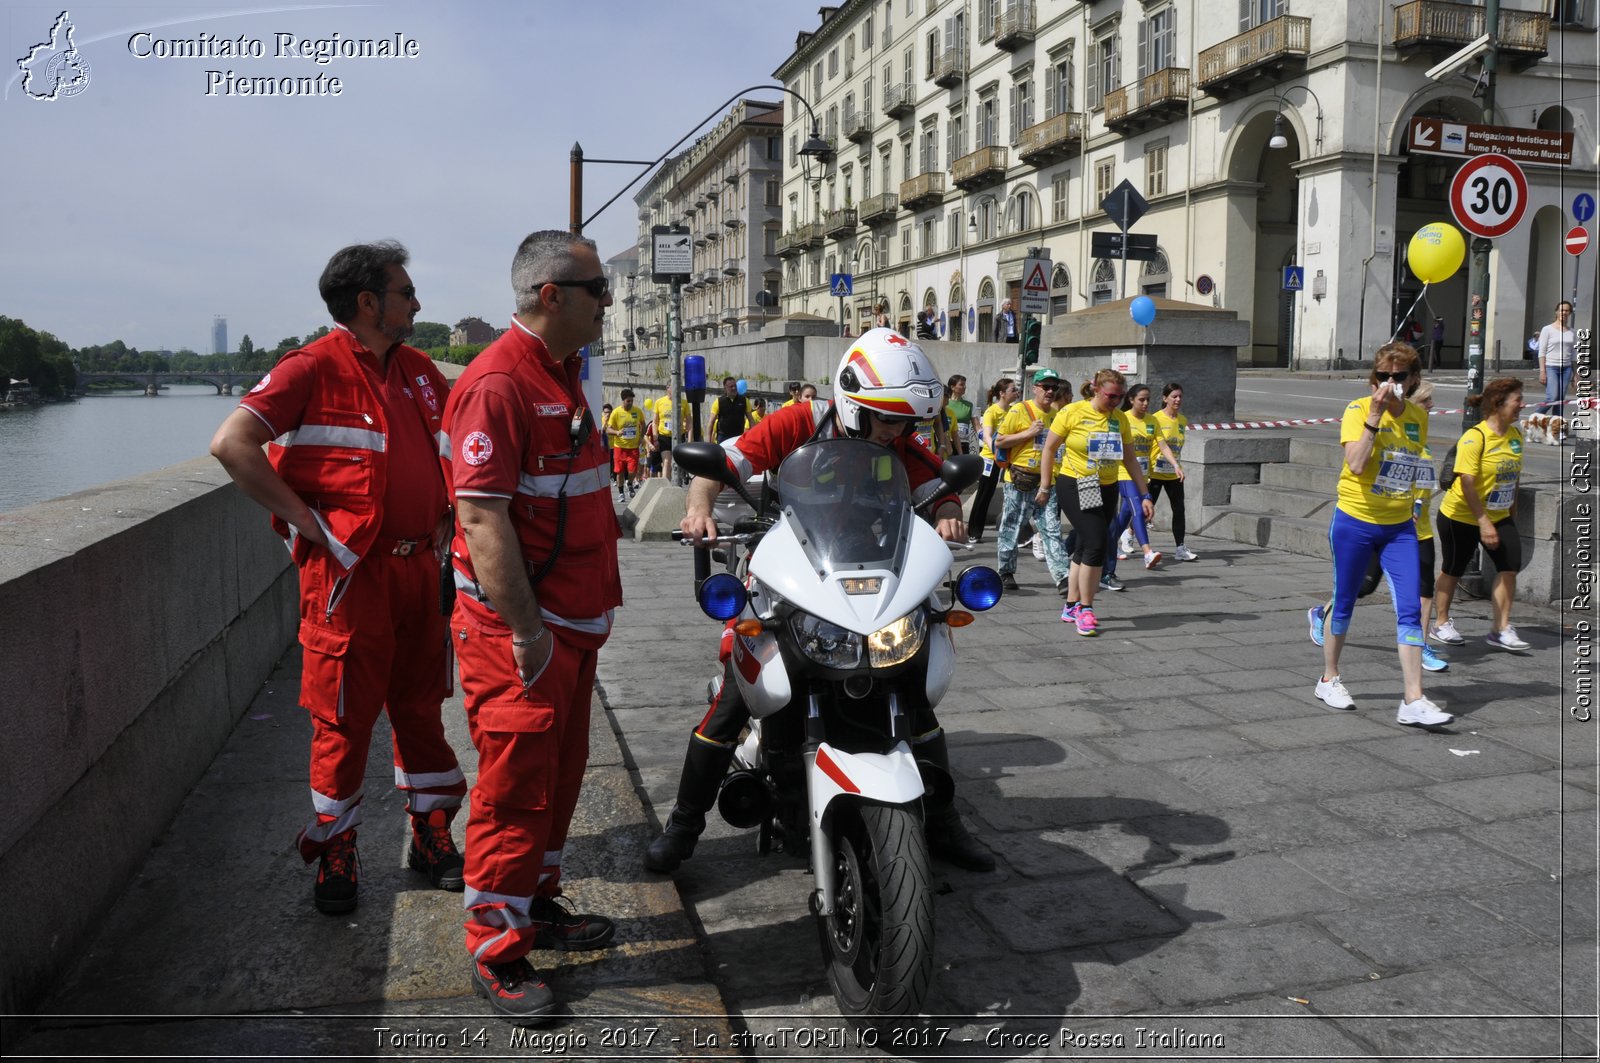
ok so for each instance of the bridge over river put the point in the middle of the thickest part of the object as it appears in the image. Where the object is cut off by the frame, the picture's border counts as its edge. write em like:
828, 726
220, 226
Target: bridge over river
225, 382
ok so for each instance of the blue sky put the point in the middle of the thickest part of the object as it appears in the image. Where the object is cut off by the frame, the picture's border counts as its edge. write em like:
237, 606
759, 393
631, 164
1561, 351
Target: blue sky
141, 206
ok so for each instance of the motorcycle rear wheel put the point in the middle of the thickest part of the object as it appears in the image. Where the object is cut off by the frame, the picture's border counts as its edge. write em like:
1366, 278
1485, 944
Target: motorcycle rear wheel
878, 943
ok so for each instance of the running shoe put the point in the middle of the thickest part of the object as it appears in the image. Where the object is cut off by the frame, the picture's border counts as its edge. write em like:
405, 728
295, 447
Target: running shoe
1422, 713
1069, 613
1009, 581
1127, 545
1432, 662
1183, 553
1447, 634
1038, 548
1088, 626
1506, 640
1109, 582
1152, 558
1333, 692
1314, 617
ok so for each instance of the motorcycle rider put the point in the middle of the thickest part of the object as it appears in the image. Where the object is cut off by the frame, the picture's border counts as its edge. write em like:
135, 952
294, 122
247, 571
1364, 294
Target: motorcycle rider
884, 385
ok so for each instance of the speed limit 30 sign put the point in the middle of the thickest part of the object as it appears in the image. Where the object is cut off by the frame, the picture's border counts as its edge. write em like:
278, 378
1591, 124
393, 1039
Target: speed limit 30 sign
1489, 195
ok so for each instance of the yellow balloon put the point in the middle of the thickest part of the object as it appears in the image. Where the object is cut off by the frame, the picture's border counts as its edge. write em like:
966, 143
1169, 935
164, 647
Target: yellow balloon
1436, 251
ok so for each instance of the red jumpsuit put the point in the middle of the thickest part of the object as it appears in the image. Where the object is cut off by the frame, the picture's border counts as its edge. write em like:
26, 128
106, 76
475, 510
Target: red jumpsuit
358, 442
510, 433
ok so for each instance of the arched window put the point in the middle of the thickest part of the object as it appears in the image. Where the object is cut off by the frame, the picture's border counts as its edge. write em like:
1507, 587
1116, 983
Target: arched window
1020, 215
1156, 276
985, 307
1104, 284
1060, 292
957, 313
988, 218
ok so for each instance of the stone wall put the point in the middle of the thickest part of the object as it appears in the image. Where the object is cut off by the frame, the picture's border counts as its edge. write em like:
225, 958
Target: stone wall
142, 617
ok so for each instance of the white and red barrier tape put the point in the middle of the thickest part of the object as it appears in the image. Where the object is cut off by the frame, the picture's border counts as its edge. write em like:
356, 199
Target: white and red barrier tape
1301, 422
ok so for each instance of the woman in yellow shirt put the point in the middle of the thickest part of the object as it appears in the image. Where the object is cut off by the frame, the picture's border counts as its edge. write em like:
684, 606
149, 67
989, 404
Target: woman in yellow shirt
1095, 441
1001, 396
1384, 437
1481, 507
1172, 426
1148, 445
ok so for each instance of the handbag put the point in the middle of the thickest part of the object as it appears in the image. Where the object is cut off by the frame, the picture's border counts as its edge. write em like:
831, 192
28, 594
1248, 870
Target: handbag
1089, 495
1026, 482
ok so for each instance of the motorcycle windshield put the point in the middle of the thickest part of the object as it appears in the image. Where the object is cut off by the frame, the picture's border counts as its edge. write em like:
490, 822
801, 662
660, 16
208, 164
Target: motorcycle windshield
849, 503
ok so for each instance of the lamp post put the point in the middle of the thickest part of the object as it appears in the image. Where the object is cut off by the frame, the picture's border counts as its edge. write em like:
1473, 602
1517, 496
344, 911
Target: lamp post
814, 146
1277, 143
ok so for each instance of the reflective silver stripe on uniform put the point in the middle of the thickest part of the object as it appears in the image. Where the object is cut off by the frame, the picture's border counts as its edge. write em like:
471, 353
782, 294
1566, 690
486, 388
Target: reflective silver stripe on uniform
549, 485
422, 804
442, 441
346, 813
735, 455
332, 435
589, 625
497, 909
552, 860
427, 780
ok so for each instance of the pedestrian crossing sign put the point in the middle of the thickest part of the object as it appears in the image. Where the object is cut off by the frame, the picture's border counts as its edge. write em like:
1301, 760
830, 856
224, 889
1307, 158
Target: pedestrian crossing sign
839, 284
1294, 278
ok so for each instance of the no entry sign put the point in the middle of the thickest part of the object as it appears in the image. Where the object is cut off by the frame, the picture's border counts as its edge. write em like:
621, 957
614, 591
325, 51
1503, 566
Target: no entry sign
1577, 240
1489, 195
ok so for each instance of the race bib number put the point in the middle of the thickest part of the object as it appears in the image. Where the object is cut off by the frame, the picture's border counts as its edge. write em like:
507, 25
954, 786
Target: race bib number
1165, 466
1503, 495
1427, 480
630, 431
964, 432
1144, 463
1105, 447
1397, 473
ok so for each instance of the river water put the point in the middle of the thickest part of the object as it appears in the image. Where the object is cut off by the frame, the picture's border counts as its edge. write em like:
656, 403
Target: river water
58, 448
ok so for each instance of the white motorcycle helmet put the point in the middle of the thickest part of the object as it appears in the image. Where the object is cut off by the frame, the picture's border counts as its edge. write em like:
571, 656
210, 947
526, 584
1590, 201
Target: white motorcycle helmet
888, 374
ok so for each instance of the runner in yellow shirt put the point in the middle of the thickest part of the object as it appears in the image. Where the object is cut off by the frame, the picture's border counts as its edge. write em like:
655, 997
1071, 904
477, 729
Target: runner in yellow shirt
662, 428
1093, 439
1001, 396
1168, 475
1147, 445
1019, 434
625, 429
1481, 507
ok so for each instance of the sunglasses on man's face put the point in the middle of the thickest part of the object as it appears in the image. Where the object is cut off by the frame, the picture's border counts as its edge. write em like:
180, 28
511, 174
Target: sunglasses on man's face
595, 286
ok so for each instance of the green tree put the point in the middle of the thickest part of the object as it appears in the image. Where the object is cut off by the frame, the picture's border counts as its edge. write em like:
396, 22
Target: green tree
19, 349
430, 334
246, 348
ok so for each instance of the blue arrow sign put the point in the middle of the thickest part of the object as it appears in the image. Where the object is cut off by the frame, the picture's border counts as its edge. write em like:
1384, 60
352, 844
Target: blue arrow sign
839, 284
1583, 207
1294, 278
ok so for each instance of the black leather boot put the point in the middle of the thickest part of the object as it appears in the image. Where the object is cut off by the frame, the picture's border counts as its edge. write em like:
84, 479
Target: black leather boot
704, 765
948, 837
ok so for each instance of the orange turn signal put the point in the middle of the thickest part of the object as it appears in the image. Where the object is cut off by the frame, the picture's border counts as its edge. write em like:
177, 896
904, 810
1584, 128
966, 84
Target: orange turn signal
749, 628
958, 618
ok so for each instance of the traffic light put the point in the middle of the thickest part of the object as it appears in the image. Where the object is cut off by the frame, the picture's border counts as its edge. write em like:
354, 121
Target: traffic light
1031, 330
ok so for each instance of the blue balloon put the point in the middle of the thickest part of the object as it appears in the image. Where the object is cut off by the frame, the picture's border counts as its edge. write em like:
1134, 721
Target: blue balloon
1143, 310
743, 385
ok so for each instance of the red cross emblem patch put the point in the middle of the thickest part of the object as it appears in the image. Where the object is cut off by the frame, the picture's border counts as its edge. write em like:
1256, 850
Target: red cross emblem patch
897, 340
477, 447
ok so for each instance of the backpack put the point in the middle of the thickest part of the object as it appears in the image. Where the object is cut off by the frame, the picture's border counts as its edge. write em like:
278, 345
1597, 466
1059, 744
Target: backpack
1447, 470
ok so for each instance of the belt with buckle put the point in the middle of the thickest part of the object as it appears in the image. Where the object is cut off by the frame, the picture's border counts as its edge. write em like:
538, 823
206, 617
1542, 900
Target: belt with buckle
404, 547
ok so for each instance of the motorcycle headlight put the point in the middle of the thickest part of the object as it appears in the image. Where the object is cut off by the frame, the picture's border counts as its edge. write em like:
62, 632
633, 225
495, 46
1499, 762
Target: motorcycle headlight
827, 644
898, 642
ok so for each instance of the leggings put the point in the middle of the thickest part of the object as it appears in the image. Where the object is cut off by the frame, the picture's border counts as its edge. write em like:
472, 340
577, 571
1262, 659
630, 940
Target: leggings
985, 496
1093, 525
1457, 541
1174, 490
1425, 563
1354, 542
1129, 511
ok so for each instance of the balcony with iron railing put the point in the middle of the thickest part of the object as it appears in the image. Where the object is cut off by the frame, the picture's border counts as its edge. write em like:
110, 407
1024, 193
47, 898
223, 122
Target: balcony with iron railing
878, 208
950, 67
1148, 101
729, 315
840, 224
1435, 27
713, 235
980, 168
731, 266
899, 100
1052, 139
858, 126
731, 222
731, 177
1015, 26
1274, 49
923, 190
788, 245
810, 234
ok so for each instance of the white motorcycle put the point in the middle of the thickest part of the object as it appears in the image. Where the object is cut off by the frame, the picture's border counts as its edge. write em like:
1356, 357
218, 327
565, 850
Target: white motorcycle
841, 604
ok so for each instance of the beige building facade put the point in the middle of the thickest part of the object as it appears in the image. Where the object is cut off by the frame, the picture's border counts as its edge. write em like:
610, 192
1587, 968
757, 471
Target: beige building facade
967, 131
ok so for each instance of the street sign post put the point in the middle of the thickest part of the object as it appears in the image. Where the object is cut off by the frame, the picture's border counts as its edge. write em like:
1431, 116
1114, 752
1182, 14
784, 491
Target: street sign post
1582, 207
1294, 278
672, 259
1489, 196
840, 284
1577, 240
1139, 247
1035, 295
1125, 206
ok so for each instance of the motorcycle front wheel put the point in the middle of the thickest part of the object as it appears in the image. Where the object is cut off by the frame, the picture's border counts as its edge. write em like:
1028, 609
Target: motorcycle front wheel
878, 943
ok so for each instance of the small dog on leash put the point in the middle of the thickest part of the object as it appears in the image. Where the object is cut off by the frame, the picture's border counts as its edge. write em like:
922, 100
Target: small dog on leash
1547, 428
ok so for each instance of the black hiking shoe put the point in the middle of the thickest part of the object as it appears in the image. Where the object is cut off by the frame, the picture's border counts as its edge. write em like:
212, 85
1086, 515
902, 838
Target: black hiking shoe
515, 991
434, 852
676, 843
561, 928
335, 891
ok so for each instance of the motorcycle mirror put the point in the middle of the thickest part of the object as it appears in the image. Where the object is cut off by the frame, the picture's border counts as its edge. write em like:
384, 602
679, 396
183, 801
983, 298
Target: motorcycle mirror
707, 460
961, 471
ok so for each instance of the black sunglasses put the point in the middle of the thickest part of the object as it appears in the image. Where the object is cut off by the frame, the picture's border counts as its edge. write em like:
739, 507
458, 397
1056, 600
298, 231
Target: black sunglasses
409, 292
1397, 376
598, 287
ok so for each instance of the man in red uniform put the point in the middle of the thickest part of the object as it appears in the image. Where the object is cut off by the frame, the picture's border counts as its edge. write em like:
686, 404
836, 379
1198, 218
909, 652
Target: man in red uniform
536, 582
352, 482
884, 385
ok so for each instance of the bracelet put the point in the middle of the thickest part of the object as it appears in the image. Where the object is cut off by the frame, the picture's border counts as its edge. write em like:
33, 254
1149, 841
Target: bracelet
1145, 498
1369, 426
525, 643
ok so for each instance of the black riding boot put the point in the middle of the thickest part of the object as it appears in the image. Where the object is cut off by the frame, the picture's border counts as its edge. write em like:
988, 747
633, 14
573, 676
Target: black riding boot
948, 837
704, 765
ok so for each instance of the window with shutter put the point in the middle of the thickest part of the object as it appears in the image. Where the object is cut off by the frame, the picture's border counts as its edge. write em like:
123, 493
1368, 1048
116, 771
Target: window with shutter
1095, 93
1050, 76
1144, 49
1014, 112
